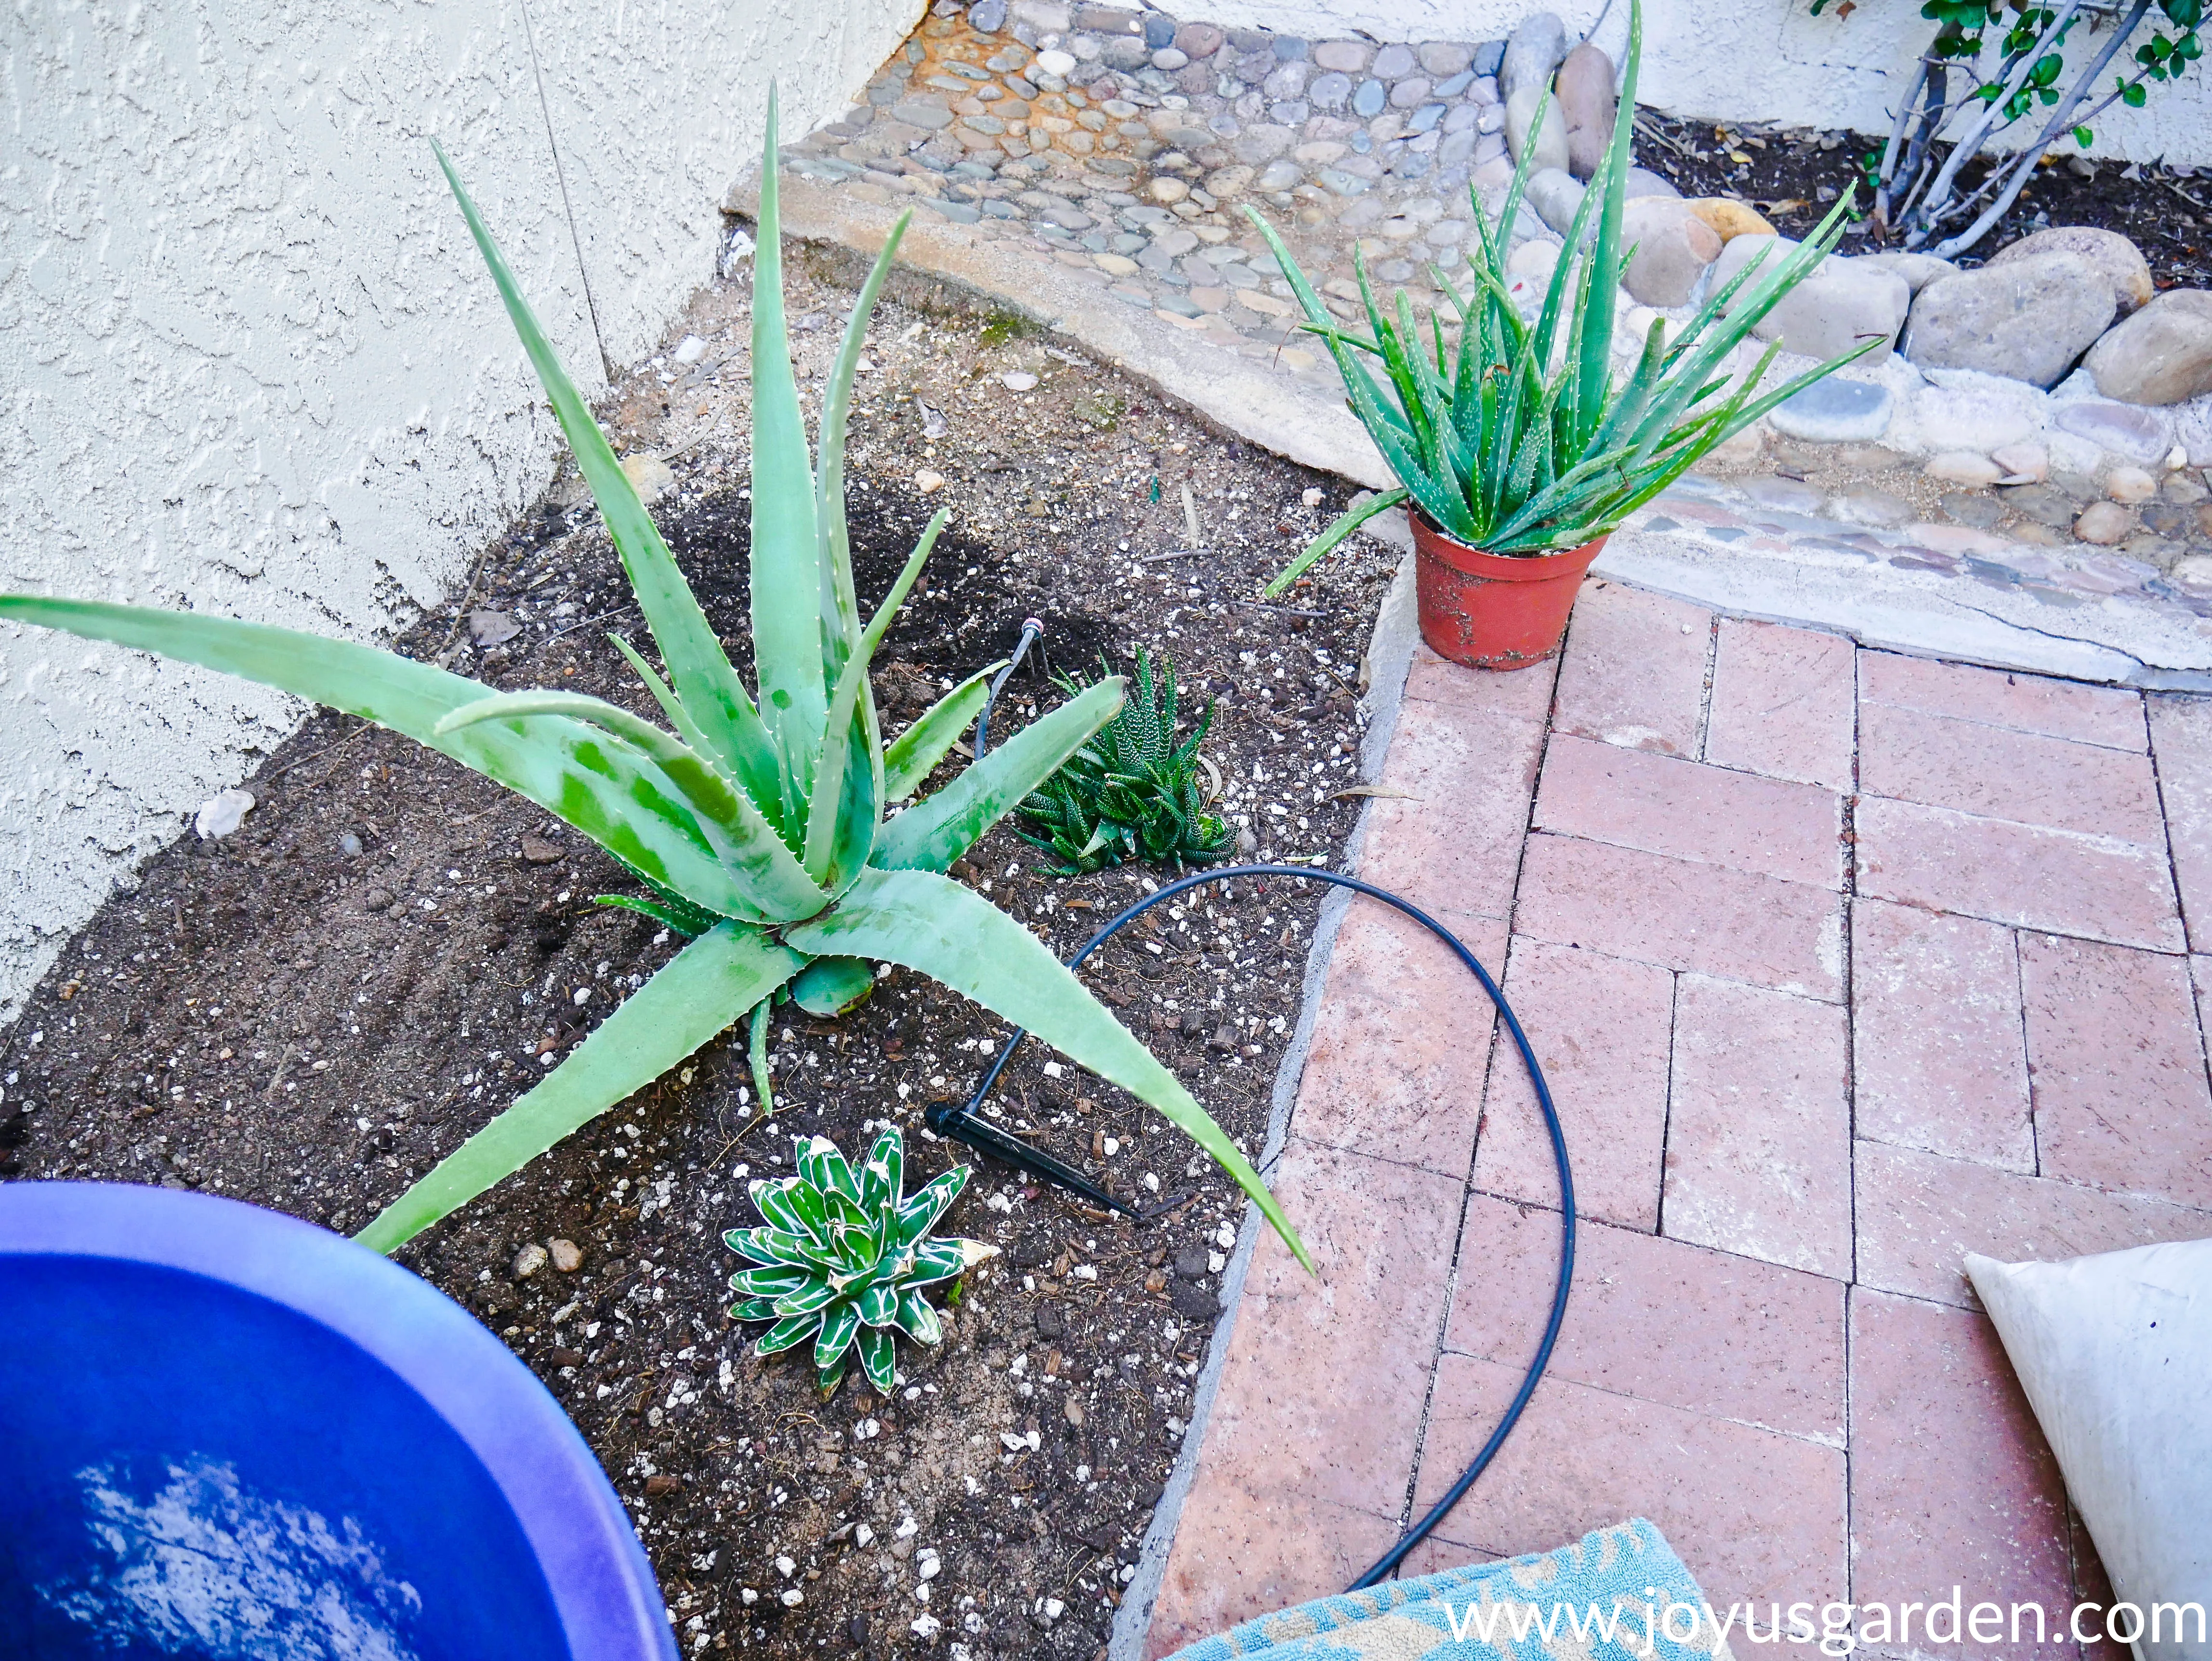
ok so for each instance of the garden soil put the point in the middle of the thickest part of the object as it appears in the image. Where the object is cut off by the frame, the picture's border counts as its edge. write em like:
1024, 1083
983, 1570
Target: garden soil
308, 1013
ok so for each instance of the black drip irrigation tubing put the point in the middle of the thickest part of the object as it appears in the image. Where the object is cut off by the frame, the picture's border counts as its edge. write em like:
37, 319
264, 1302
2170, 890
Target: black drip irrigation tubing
966, 1124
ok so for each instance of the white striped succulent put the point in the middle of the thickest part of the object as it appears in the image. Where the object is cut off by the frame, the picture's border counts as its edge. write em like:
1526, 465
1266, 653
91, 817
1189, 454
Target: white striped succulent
842, 1258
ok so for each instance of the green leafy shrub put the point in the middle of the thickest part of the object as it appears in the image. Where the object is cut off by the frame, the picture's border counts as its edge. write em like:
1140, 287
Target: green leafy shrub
1516, 441
843, 1257
759, 827
1131, 791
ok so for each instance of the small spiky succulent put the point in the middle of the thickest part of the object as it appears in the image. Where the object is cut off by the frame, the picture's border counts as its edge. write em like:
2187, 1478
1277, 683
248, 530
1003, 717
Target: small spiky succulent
1131, 791
843, 1257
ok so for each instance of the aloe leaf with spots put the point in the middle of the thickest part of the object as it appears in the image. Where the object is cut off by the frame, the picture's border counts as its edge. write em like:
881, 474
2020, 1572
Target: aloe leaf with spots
842, 1256
758, 829
1518, 438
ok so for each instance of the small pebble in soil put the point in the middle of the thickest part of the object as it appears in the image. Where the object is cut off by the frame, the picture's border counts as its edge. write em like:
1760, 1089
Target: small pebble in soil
928, 479
567, 1257
529, 1261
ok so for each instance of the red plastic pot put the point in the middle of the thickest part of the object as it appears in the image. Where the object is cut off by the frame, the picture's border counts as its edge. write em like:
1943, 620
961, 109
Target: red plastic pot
1493, 610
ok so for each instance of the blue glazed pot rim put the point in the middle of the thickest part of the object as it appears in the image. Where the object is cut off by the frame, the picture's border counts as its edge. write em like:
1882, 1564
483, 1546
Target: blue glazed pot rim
609, 1604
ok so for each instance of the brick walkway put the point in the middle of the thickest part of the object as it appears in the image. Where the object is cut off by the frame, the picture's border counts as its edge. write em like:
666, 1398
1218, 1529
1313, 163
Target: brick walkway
1841, 964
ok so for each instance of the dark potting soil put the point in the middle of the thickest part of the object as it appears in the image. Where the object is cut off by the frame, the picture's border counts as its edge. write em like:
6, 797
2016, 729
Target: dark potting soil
308, 1013
1793, 176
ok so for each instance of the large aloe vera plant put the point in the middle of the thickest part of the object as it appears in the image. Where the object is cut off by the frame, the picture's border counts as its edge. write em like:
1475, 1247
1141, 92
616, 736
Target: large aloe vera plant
1518, 440
759, 826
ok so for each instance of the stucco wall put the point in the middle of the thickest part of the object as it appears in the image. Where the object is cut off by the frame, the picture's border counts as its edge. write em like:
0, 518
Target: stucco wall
1751, 60
250, 362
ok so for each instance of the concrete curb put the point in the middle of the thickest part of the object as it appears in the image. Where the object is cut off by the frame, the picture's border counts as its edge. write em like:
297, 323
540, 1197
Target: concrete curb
1390, 656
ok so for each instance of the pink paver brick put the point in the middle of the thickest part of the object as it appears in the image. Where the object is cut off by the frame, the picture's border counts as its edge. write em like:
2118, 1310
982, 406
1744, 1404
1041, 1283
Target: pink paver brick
1239, 1556
1401, 1043
1523, 694
1768, 827
1601, 1029
2181, 737
1769, 1345
2121, 1100
2023, 875
1634, 671
1999, 697
1651, 909
1759, 1150
1939, 1060
1952, 1484
1784, 703
1997, 773
1316, 1418
1919, 1214
1453, 840
1755, 1513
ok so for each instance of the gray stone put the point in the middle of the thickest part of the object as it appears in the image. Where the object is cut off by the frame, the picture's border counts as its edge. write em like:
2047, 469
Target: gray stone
1835, 308
1788, 496
1835, 411
2125, 429
933, 116
1289, 48
1395, 60
1918, 269
1642, 181
1159, 30
1288, 82
2038, 503
1109, 20
1126, 53
1551, 143
1453, 87
1554, 195
959, 212
1974, 508
1342, 183
2028, 319
988, 17
1199, 41
1279, 175
1489, 58
1347, 57
1329, 92
992, 208
1262, 142
1167, 58
2162, 355
1861, 504
1673, 250
1532, 53
1410, 94
1425, 117
1443, 60
1290, 113
2119, 260
1585, 90
1371, 98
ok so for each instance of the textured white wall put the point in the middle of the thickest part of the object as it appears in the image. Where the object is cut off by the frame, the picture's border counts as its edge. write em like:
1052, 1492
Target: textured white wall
1749, 60
250, 363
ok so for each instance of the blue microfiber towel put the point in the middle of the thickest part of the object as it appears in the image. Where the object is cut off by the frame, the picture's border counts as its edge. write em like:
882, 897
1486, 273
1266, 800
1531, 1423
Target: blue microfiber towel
1618, 1595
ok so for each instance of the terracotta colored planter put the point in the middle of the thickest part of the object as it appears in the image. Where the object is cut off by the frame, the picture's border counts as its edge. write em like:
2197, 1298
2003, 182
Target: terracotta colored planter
1494, 610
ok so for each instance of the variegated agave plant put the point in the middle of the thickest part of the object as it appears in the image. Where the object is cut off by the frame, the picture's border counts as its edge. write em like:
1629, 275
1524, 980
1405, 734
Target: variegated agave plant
843, 1257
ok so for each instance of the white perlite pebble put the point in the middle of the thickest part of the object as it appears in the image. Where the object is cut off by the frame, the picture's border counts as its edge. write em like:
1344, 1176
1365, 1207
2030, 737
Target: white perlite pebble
221, 815
690, 350
529, 1261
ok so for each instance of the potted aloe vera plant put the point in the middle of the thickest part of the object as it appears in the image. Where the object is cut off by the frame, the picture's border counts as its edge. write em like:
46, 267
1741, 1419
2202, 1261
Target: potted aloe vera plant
1516, 451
